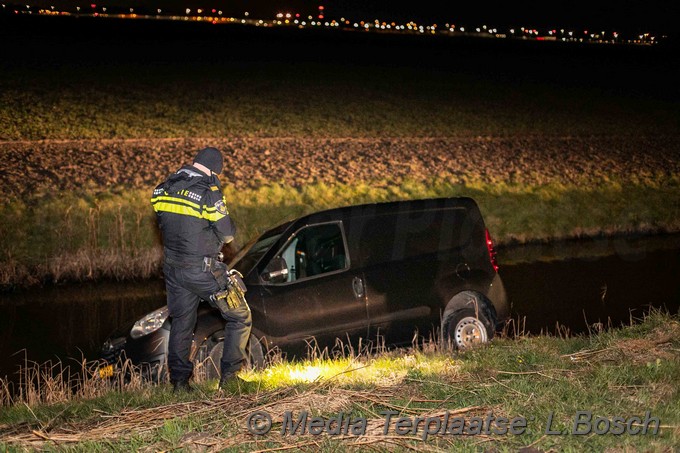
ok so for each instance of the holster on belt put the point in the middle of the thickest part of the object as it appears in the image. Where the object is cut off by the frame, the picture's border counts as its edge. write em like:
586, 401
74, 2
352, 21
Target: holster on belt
232, 295
218, 269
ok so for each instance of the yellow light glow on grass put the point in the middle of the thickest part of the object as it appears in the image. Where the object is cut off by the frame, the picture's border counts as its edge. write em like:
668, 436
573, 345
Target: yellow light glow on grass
385, 370
307, 374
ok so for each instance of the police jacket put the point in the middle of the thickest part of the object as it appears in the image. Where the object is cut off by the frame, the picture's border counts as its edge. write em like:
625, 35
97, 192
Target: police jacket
192, 216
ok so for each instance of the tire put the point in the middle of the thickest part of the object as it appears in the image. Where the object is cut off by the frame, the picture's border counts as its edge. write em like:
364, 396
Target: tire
466, 328
214, 356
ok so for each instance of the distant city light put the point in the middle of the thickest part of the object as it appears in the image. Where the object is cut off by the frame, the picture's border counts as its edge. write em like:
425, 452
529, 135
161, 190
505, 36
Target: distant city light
321, 18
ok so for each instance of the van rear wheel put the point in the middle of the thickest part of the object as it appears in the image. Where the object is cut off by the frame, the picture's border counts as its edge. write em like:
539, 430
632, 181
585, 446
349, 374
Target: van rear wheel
466, 328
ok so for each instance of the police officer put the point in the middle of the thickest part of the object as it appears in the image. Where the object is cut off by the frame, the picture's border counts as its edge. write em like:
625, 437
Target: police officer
195, 223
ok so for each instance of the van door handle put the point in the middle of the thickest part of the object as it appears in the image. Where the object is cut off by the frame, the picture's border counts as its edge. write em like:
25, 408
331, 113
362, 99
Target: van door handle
358, 287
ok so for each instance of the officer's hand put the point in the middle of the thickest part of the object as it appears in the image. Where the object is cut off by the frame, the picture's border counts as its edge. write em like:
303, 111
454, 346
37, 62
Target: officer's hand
229, 250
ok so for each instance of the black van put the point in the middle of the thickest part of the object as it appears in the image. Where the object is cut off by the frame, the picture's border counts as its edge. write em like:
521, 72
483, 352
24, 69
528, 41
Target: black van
383, 270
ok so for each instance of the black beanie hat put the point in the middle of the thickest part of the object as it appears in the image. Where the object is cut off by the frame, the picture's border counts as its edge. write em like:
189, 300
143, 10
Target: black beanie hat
211, 158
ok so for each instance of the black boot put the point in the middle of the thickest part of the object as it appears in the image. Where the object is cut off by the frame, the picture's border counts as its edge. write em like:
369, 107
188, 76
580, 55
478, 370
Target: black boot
181, 386
228, 378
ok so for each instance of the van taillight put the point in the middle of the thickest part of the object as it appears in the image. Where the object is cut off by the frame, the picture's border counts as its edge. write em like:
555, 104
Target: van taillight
492, 251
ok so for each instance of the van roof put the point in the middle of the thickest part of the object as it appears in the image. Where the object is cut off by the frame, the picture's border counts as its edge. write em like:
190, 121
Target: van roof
388, 207
379, 208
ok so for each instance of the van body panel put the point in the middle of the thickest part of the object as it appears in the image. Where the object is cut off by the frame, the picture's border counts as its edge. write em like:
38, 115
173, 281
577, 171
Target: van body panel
324, 308
499, 299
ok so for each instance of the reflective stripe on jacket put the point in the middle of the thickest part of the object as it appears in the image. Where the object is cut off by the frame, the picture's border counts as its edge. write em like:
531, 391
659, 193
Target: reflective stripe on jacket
192, 215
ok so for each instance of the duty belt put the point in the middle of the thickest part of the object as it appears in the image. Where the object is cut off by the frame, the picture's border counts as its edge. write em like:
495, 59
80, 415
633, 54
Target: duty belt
205, 263
181, 264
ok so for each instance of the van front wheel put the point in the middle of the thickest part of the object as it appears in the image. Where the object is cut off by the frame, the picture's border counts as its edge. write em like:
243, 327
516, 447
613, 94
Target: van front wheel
256, 359
466, 328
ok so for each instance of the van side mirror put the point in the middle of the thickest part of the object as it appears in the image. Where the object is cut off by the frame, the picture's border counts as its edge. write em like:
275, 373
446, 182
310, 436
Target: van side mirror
276, 271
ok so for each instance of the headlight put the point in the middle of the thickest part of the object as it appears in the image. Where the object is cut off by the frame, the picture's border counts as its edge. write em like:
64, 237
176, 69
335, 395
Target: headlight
149, 323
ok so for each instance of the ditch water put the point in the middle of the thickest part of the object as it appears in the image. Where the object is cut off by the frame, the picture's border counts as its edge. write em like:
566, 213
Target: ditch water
574, 284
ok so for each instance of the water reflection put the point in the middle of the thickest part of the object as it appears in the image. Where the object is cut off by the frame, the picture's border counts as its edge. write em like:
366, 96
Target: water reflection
69, 321
580, 283
628, 248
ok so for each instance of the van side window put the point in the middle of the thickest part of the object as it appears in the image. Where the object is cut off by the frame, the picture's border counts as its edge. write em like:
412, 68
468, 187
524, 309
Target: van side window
414, 234
315, 250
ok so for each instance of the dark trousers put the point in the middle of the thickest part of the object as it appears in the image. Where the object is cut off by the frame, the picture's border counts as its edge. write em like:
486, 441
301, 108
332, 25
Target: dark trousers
185, 288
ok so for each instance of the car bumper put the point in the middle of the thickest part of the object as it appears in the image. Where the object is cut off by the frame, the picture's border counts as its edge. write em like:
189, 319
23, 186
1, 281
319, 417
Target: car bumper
124, 355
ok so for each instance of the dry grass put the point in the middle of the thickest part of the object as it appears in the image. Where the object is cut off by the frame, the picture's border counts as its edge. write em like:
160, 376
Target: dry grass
84, 265
223, 411
54, 382
653, 347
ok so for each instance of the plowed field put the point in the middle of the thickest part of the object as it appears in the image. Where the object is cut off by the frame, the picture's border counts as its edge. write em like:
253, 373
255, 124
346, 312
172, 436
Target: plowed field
43, 166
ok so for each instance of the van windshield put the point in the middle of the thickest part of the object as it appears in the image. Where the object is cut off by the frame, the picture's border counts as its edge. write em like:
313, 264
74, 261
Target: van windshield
252, 252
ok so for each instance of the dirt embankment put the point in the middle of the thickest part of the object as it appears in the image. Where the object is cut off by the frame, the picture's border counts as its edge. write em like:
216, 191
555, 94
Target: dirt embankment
42, 166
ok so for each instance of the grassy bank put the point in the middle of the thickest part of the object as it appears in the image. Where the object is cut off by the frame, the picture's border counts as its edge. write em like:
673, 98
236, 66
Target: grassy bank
623, 372
113, 234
